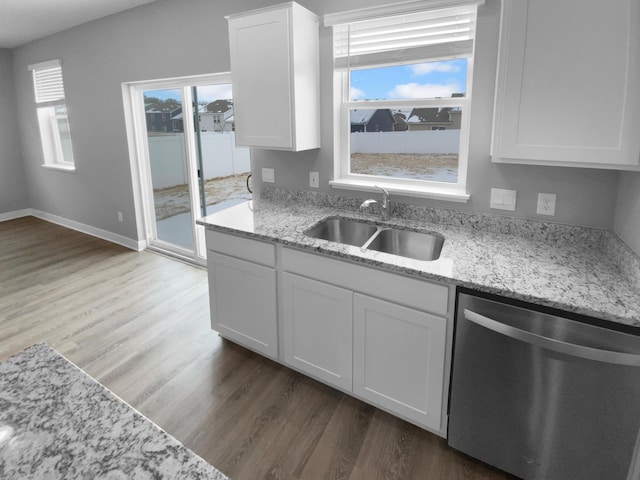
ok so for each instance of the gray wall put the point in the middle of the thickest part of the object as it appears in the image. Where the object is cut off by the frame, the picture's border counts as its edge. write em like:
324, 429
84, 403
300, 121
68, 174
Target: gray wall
13, 189
584, 197
174, 38
627, 220
159, 40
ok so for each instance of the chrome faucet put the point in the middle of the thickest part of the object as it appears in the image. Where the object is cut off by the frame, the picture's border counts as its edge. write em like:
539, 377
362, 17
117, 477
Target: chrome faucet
385, 207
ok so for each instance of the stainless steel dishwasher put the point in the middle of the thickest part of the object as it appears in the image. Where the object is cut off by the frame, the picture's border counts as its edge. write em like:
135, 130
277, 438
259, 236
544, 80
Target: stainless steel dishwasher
542, 396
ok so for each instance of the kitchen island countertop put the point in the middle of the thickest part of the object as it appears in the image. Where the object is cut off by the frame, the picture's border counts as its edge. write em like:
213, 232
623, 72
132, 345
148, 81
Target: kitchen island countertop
571, 274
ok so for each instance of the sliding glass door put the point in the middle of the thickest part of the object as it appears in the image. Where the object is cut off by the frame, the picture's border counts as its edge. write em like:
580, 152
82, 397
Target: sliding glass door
169, 168
188, 162
223, 166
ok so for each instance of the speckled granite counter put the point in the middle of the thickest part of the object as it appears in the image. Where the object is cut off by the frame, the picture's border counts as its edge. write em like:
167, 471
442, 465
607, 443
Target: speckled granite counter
58, 423
570, 268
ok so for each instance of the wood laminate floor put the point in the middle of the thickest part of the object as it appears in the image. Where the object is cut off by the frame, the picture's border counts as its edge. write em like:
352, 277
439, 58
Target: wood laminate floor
139, 324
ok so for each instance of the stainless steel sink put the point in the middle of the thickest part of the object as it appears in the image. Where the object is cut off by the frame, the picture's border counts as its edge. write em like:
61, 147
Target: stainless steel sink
396, 241
407, 243
343, 230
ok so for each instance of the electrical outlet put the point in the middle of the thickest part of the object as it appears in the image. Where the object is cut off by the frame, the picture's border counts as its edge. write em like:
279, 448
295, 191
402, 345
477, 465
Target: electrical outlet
314, 180
546, 204
268, 175
120, 217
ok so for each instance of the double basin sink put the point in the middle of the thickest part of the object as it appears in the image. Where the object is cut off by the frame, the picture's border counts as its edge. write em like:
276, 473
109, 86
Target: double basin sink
382, 238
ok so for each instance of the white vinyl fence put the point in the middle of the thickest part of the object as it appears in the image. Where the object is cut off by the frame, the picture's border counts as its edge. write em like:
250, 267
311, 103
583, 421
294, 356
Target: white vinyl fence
428, 141
220, 158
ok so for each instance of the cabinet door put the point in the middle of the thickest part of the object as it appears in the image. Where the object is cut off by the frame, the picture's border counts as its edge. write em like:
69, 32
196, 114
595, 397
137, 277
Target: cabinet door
567, 83
398, 359
261, 75
318, 329
243, 302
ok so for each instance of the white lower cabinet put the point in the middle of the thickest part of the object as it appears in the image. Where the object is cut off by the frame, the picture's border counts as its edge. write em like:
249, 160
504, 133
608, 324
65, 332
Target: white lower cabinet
317, 329
398, 359
243, 296
383, 337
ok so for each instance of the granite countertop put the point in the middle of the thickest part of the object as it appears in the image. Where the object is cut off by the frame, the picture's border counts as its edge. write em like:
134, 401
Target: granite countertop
56, 422
566, 268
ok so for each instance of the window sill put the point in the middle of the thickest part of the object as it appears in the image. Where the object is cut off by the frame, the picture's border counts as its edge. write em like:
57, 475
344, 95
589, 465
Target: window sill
452, 193
60, 166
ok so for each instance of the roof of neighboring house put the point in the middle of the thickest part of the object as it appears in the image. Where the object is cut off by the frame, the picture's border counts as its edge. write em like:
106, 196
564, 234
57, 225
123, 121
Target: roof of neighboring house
361, 117
155, 108
220, 106
401, 116
403, 111
430, 115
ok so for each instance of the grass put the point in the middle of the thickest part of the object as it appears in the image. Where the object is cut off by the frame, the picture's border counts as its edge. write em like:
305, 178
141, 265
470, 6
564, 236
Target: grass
175, 200
436, 167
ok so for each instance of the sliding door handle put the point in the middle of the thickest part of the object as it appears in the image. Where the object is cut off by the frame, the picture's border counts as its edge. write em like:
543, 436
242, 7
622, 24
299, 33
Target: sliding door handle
567, 348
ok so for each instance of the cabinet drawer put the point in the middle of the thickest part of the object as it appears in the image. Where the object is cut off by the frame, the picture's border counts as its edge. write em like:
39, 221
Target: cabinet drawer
416, 293
244, 248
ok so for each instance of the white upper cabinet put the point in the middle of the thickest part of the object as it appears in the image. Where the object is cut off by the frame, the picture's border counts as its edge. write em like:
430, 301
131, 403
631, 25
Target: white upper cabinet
568, 84
275, 75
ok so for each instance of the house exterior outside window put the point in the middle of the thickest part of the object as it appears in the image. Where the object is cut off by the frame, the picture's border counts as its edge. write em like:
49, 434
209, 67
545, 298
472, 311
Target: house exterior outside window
55, 131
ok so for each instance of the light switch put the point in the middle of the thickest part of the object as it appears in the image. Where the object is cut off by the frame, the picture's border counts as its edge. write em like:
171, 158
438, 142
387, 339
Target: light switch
268, 175
509, 199
502, 199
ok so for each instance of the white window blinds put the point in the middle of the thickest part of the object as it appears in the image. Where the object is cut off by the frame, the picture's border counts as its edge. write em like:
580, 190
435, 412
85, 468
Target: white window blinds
432, 34
47, 81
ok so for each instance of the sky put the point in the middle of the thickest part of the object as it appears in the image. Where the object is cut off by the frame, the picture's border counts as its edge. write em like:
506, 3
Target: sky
422, 80
207, 93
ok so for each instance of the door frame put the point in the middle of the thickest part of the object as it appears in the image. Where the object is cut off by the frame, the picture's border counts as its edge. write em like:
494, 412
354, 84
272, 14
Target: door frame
135, 122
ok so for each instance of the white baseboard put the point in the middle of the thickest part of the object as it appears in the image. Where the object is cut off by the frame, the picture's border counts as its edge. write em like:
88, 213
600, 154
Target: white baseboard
15, 214
137, 245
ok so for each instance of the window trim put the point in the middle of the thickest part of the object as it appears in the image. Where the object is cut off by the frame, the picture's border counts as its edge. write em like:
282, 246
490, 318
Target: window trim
402, 8
50, 138
342, 179
49, 94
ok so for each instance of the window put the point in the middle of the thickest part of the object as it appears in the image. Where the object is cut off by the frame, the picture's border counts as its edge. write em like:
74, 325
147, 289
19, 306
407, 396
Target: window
403, 90
53, 121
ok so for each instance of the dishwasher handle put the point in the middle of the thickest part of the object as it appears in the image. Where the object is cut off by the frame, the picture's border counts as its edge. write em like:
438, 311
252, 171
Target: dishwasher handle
581, 351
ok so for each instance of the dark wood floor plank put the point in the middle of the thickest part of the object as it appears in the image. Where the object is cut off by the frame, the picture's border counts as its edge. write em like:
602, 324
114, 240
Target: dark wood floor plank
139, 323
341, 442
